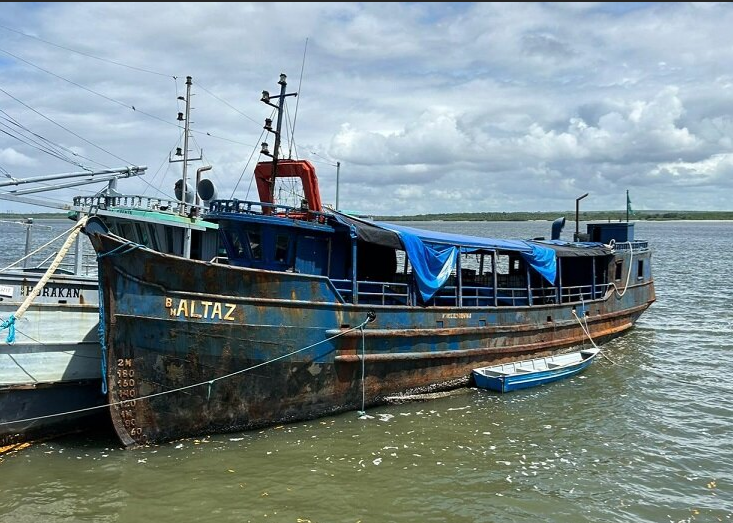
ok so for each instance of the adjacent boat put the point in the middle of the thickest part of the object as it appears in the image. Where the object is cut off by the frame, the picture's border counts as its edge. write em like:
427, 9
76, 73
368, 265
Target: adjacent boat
51, 361
51, 366
506, 377
319, 312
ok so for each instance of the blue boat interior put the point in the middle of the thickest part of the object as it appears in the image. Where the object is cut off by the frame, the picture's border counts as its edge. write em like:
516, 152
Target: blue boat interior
378, 263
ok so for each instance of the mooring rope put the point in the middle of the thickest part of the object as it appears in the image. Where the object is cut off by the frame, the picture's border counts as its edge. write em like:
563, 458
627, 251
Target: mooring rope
370, 317
10, 322
126, 247
628, 273
362, 412
49, 242
586, 330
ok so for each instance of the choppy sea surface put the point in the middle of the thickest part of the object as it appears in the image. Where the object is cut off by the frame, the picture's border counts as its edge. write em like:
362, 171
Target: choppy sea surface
644, 435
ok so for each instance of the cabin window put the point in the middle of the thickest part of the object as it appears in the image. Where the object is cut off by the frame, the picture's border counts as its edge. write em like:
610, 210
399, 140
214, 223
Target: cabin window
502, 264
127, 231
142, 233
515, 266
640, 269
281, 248
153, 237
375, 262
619, 270
255, 244
170, 247
236, 243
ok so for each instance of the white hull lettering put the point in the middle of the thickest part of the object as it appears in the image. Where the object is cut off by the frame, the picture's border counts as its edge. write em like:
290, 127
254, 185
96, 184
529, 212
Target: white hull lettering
52, 292
457, 316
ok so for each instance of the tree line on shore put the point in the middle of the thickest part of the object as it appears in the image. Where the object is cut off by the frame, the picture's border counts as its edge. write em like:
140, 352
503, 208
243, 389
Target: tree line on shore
585, 216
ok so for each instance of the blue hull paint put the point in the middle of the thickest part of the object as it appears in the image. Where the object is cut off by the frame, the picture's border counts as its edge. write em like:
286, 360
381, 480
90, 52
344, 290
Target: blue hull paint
47, 410
160, 329
318, 312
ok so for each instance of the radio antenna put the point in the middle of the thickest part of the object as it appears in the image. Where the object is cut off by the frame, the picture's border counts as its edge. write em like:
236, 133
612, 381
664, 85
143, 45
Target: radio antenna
295, 117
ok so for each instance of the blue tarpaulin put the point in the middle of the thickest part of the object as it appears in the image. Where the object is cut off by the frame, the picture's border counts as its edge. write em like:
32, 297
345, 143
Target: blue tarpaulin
433, 254
544, 261
431, 265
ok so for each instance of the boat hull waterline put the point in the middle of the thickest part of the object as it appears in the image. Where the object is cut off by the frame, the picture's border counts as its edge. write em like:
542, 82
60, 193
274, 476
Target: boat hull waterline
54, 364
181, 334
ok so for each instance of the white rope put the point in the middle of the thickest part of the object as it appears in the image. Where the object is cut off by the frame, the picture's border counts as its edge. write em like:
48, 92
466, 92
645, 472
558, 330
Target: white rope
209, 382
587, 333
628, 273
39, 249
362, 412
54, 265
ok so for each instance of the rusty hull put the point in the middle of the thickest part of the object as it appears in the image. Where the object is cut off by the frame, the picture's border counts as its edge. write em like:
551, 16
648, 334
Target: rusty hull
196, 348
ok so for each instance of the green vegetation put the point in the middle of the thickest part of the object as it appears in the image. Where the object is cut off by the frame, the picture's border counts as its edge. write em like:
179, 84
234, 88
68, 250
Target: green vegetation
35, 216
585, 216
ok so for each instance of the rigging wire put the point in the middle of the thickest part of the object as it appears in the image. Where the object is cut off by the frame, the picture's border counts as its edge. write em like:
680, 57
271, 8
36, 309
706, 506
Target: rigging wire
123, 104
226, 103
35, 145
86, 54
254, 150
62, 127
51, 148
114, 62
297, 101
150, 183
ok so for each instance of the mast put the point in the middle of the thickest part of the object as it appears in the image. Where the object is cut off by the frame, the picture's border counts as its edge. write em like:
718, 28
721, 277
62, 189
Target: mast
187, 128
278, 128
183, 208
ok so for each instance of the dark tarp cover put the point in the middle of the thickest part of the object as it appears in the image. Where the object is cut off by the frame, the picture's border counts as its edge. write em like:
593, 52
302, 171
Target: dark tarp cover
433, 254
567, 249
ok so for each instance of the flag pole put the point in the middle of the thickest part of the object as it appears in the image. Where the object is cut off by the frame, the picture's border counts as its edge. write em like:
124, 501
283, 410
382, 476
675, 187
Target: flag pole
627, 206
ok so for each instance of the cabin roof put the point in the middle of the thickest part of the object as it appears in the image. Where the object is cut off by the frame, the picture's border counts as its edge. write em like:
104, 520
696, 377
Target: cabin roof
433, 254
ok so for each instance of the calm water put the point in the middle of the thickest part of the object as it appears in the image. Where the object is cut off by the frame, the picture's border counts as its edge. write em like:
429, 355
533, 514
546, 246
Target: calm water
644, 435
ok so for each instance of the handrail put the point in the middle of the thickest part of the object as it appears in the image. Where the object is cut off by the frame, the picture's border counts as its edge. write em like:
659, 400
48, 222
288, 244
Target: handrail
129, 200
236, 206
633, 245
397, 293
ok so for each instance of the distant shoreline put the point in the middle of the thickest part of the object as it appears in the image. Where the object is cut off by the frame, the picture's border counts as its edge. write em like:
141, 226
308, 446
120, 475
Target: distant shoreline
585, 216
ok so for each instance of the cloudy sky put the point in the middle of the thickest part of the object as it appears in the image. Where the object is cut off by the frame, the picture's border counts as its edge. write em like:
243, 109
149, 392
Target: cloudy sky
428, 107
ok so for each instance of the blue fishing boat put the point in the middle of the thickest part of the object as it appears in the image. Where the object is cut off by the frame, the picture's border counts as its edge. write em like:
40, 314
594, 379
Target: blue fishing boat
319, 312
506, 377
52, 378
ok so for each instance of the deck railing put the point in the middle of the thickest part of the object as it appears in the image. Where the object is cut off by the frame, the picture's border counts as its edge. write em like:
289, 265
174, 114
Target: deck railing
375, 292
262, 208
391, 293
634, 246
126, 201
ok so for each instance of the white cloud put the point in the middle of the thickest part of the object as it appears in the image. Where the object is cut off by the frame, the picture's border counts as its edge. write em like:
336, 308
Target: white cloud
428, 107
13, 158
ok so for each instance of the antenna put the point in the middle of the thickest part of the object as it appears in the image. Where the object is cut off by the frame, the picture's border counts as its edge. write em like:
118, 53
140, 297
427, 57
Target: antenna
182, 209
266, 98
184, 153
295, 117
